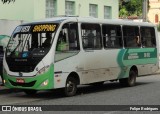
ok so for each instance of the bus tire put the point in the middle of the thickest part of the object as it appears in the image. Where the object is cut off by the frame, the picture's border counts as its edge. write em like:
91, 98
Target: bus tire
131, 80
30, 92
70, 87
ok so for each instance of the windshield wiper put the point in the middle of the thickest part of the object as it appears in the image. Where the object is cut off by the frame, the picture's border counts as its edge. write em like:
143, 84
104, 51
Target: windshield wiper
26, 41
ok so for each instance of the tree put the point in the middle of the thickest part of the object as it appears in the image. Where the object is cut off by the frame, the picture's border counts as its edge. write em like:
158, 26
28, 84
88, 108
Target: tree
130, 8
7, 1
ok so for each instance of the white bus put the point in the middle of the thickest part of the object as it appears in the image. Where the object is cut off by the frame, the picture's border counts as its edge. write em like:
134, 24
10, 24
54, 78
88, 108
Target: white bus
64, 52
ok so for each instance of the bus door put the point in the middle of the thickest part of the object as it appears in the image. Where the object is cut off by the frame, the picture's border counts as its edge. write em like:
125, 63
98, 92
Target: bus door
91, 41
67, 47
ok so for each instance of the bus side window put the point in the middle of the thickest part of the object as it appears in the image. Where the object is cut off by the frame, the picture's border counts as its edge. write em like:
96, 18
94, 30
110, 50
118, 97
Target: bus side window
131, 36
73, 37
112, 36
91, 36
68, 38
148, 37
61, 43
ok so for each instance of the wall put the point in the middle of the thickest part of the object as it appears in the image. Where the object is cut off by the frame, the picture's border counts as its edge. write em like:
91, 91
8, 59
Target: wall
82, 7
19, 10
154, 9
39, 9
7, 26
6, 29
30, 10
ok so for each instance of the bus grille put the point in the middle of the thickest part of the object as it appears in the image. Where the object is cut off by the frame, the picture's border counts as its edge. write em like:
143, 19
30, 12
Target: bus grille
30, 84
23, 68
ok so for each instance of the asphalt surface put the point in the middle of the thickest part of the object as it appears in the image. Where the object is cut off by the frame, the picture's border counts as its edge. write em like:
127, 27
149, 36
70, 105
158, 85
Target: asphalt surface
146, 92
3, 89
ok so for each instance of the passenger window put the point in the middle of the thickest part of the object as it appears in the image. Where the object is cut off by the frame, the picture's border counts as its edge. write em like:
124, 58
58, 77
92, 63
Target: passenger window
68, 38
91, 36
68, 42
112, 36
148, 37
131, 36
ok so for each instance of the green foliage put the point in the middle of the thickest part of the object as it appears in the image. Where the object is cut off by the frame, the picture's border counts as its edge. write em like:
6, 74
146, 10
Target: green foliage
7, 1
130, 8
123, 12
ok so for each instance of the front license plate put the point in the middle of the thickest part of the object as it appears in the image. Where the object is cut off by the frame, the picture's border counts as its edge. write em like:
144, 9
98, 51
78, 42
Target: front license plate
20, 80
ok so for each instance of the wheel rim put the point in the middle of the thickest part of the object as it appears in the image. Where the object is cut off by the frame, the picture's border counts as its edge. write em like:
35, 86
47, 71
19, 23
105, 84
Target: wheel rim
70, 87
132, 78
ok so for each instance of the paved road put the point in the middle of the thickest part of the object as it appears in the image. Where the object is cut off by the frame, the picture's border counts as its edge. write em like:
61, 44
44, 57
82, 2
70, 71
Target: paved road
146, 92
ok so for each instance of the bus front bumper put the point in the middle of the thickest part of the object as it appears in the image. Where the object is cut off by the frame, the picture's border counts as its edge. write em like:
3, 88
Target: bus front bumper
43, 81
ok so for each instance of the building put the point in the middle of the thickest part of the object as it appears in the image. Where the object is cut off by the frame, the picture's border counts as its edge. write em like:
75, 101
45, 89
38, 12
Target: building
30, 10
154, 11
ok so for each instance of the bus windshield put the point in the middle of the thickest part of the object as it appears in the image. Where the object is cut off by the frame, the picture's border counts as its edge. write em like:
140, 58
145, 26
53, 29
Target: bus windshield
30, 38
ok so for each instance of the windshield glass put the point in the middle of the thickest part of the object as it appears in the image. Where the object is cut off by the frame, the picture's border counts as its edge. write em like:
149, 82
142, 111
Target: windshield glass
31, 38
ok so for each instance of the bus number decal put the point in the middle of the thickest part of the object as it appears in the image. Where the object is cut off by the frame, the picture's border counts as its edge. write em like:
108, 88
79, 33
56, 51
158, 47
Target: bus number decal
43, 28
147, 55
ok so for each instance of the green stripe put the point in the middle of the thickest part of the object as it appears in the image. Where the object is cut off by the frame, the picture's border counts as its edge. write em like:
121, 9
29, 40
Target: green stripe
141, 50
140, 61
128, 57
147, 54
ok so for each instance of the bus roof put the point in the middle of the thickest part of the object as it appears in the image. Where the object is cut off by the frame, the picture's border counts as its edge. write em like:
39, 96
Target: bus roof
93, 20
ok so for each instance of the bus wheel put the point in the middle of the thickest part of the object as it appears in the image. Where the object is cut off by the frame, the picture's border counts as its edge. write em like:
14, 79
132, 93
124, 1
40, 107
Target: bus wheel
30, 92
131, 80
71, 87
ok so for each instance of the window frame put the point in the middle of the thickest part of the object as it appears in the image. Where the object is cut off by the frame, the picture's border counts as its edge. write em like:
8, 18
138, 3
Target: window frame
52, 9
109, 12
68, 35
120, 37
100, 36
91, 10
156, 18
154, 32
136, 33
67, 11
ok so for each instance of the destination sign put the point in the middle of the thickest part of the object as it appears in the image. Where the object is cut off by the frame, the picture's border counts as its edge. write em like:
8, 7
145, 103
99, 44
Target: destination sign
22, 29
44, 28
25, 29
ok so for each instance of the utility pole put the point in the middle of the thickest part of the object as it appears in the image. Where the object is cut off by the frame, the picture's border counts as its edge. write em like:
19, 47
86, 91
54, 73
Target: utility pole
145, 10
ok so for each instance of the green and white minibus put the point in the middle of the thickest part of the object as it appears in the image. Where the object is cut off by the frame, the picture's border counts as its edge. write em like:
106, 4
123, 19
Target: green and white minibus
64, 52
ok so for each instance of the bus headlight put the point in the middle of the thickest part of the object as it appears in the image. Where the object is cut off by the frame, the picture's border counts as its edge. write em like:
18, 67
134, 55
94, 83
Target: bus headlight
45, 83
4, 81
43, 70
